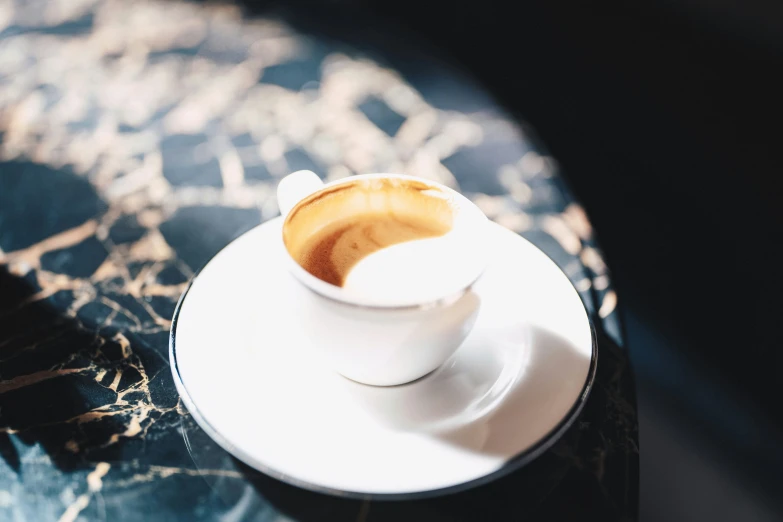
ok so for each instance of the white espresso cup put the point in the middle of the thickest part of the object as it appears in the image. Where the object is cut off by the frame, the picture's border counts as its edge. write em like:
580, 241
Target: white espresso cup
410, 305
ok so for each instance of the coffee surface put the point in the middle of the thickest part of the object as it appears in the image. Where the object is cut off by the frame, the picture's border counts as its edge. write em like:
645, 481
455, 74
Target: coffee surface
331, 254
333, 230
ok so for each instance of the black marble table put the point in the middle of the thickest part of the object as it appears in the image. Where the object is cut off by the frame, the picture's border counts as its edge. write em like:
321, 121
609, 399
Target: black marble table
137, 139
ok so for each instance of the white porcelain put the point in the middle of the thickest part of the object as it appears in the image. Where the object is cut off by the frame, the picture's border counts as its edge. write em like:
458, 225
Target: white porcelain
392, 329
259, 386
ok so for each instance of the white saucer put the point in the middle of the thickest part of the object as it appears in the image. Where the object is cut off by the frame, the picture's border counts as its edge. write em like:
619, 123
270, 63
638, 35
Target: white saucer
260, 389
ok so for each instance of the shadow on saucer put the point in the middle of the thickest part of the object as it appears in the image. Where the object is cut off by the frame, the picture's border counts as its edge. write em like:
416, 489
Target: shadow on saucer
545, 375
467, 387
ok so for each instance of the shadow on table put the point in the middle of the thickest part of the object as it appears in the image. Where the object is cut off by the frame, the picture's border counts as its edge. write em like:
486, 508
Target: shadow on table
62, 364
83, 361
45, 398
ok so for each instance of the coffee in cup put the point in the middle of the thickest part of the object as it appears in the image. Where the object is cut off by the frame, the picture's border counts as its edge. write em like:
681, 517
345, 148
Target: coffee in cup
331, 231
386, 263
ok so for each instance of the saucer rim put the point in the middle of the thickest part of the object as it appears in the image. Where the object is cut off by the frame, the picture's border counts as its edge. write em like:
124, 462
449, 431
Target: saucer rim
514, 463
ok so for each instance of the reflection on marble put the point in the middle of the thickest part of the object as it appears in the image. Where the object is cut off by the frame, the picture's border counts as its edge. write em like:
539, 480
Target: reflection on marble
138, 138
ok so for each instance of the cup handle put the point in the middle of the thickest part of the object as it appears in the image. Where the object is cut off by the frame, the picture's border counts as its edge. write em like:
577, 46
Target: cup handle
295, 187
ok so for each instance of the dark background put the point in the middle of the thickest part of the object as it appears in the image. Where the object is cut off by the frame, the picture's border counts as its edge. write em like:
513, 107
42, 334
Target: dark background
665, 118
